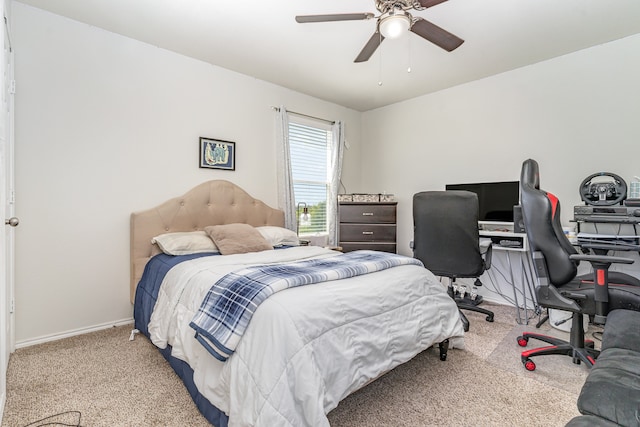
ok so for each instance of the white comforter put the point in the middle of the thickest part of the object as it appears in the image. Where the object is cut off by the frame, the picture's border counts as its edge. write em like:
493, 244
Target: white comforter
306, 348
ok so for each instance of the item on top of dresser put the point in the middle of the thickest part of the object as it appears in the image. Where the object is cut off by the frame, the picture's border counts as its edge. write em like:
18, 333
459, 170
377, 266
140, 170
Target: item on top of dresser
366, 198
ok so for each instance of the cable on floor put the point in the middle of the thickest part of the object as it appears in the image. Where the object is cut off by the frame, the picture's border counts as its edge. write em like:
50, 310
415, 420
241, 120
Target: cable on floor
47, 421
597, 335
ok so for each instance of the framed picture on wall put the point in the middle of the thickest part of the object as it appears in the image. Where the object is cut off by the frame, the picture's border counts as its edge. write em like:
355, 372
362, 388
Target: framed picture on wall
217, 154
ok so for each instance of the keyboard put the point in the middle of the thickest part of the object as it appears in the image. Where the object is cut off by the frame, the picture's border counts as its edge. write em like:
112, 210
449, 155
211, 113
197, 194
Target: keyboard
510, 243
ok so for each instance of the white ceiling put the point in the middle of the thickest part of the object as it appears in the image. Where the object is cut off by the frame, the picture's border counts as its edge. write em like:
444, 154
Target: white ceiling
260, 38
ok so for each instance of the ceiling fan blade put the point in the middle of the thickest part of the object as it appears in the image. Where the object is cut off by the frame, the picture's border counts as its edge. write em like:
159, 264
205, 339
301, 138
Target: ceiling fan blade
436, 35
370, 47
429, 3
336, 17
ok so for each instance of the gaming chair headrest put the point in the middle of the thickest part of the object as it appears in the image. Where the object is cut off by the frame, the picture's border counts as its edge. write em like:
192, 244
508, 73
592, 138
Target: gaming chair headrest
541, 216
530, 174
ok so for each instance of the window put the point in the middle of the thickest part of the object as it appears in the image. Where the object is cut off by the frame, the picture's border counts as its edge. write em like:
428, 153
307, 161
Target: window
310, 142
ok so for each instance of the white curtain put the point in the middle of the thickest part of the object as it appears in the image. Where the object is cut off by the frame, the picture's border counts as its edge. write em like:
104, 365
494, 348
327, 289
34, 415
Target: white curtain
286, 198
337, 150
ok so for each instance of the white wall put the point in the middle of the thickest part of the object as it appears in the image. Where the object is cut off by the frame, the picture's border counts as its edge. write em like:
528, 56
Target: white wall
107, 125
576, 115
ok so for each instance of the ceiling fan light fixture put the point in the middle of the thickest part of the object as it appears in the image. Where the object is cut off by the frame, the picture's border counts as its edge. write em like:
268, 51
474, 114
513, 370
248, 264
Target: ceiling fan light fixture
394, 24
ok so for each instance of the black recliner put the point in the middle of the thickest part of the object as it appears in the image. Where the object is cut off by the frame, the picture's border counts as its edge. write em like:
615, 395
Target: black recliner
446, 240
555, 263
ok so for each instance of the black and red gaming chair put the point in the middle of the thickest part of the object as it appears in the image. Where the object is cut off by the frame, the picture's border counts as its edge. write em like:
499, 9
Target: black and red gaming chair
555, 263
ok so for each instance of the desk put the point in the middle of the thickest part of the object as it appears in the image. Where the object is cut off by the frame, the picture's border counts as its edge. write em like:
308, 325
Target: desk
603, 243
512, 244
609, 237
627, 217
606, 233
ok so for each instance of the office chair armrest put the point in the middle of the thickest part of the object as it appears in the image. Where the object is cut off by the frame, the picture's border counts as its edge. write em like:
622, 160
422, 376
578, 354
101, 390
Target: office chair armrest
601, 264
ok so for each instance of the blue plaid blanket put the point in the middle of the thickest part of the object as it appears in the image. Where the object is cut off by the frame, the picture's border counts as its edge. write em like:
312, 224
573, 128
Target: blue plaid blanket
227, 309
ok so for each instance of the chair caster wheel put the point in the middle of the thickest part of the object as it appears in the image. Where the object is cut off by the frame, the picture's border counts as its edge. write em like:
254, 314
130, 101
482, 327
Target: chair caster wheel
529, 365
490, 318
523, 341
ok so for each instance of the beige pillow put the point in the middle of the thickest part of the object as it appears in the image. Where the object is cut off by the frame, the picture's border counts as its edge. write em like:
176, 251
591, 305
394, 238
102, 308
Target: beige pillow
184, 243
237, 238
279, 236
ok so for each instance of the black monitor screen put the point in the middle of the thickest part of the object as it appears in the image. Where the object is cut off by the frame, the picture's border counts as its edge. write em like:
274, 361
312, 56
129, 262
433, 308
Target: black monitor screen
495, 199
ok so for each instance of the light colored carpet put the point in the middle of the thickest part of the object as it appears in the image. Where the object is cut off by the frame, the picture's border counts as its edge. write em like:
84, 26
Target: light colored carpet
557, 371
111, 381
485, 385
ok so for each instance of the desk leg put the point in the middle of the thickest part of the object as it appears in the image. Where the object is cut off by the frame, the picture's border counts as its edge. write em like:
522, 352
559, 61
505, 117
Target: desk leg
515, 291
526, 284
531, 284
525, 287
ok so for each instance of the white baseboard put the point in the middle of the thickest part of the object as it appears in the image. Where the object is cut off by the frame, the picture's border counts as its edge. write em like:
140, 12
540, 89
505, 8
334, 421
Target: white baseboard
3, 399
72, 333
496, 300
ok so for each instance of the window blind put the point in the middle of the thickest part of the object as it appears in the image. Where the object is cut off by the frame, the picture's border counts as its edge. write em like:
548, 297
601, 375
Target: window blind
309, 150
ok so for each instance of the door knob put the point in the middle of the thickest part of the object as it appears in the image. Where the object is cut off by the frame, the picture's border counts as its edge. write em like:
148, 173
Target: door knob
13, 221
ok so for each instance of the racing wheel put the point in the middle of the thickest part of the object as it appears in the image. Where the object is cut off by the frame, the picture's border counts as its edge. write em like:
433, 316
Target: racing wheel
598, 192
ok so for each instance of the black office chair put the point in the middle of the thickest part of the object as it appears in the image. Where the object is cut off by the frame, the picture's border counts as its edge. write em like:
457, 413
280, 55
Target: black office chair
446, 240
555, 263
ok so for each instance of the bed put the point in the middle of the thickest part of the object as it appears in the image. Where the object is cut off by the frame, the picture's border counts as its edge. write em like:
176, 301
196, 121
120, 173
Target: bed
305, 348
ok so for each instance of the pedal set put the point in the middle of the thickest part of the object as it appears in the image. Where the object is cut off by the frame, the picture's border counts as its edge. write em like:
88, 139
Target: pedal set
463, 294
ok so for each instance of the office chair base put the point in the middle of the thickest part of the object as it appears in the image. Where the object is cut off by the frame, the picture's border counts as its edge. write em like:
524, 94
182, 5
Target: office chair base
463, 317
465, 303
464, 320
477, 300
473, 307
578, 348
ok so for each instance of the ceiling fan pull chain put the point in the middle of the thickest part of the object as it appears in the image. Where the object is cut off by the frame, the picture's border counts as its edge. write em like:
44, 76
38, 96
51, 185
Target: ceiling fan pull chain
380, 63
410, 57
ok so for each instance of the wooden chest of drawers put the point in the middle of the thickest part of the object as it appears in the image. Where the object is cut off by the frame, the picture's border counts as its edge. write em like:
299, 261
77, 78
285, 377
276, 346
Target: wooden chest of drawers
367, 226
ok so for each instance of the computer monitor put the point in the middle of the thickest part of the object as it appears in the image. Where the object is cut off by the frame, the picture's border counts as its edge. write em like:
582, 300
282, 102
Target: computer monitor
495, 199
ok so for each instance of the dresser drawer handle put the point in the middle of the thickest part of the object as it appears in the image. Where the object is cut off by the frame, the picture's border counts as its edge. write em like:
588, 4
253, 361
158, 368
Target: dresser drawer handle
368, 232
367, 213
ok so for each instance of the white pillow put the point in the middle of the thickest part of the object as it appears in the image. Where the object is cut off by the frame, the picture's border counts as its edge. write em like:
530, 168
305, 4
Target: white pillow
185, 243
278, 236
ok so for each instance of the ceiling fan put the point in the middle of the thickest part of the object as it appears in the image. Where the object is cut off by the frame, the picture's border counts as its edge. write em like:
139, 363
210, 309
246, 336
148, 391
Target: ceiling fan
393, 20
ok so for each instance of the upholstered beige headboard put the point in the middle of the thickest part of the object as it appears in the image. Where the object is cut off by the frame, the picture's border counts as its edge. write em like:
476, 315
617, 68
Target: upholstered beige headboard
210, 203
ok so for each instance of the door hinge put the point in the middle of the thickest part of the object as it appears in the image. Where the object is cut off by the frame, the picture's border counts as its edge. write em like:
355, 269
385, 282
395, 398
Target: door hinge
12, 87
12, 306
12, 197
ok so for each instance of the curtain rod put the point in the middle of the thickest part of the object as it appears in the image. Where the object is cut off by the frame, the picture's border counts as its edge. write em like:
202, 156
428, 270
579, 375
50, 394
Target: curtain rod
332, 122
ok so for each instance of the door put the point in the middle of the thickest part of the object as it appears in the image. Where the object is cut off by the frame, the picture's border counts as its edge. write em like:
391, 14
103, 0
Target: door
6, 205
